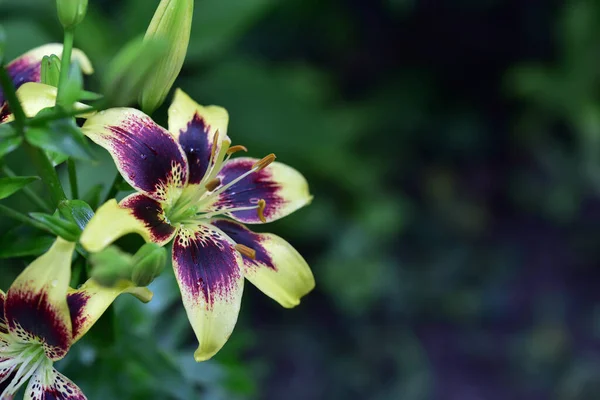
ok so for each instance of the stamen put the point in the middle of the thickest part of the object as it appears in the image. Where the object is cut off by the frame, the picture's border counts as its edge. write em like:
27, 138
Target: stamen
264, 162
236, 148
213, 150
212, 185
246, 251
261, 210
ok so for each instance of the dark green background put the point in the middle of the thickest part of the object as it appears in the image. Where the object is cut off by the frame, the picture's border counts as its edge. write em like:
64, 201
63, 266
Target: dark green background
453, 151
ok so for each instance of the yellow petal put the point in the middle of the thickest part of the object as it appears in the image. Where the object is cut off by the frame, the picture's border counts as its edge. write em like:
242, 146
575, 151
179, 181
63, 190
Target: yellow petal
136, 214
34, 97
90, 301
56, 48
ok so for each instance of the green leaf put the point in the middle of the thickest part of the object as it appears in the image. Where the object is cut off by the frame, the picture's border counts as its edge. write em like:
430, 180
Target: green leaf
92, 197
65, 229
9, 144
72, 89
7, 130
77, 211
14, 245
87, 96
61, 136
9, 186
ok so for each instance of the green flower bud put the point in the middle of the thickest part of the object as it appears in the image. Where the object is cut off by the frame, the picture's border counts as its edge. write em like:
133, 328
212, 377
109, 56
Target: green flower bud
110, 265
71, 12
148, 263
2, 43
172, 22
50, 71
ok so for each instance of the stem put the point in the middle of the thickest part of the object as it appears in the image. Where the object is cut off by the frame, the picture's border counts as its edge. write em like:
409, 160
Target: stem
47, 172
16, 215
10, 93
65, 64
37, 200
114, 188
73, 178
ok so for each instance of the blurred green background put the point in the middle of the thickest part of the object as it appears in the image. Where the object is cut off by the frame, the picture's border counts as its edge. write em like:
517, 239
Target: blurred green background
453, 149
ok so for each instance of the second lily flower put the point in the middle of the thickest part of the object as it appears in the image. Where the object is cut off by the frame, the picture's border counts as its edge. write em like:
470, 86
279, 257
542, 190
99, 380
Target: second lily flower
186, 184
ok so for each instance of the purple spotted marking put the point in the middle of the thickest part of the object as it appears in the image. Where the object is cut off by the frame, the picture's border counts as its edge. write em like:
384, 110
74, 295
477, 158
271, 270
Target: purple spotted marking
206, 265
22, 70
62, 388
76, 302
30, 315
147, 155
242, 235
197, 147
248, 191
150, 212
3, 327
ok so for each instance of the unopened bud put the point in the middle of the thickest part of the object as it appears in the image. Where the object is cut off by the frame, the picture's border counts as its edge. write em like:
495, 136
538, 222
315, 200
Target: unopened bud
71, 12
148, 263
172, 22
110, 266
50, 70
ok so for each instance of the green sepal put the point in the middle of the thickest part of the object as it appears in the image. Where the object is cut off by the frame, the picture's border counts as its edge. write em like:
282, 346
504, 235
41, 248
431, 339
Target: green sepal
10, 186
67, 230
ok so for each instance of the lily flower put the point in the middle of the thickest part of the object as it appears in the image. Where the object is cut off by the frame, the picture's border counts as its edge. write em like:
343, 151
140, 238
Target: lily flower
41, 317
27, 68
186, 184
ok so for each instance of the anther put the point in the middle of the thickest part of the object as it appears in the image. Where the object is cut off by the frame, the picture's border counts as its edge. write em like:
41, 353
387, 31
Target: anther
212, 185
261, 210
264, 162
213, 150
246, 251
236, 148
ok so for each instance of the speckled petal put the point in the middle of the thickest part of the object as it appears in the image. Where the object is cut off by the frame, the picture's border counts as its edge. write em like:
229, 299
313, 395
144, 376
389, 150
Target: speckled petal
52, 385
89, 302
36, 304
278, 270
283, 188
147, 156
195, 127
211, 283
135, 214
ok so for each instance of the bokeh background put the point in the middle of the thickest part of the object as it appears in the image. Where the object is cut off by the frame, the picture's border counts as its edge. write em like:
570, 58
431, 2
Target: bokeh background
453, 149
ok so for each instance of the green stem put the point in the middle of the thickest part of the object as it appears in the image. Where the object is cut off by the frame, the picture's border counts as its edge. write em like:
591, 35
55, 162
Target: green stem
37, 200
73, 178
8, 88
16, 215
47, 172
114, 189
65, 64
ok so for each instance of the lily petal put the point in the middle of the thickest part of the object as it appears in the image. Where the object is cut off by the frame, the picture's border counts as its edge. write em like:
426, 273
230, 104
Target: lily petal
135, 214
211, 284
147, 156
278, 270
27, 67
89, 302
51, 384
283, 188
36, 303
35, 97
196, 127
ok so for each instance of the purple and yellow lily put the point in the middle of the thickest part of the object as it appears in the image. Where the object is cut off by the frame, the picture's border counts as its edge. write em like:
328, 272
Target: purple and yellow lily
186, 184
26, 69
41, 317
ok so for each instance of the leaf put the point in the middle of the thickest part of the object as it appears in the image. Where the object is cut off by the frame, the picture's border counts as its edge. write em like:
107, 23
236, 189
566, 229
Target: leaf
92, 197
61, 136
14, 245
7, 130
9, 186
65, 229
9, 144
77, 211
87, 95
71, 91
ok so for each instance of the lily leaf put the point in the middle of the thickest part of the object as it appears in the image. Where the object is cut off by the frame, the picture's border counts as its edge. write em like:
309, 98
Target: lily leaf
9, 186
67, 230
77, 211
61, 136
13, 244
9, 144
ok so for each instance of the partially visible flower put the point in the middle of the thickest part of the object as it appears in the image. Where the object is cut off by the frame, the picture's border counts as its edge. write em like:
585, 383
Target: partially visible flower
41, 317
27, 68
172, 22
187, 184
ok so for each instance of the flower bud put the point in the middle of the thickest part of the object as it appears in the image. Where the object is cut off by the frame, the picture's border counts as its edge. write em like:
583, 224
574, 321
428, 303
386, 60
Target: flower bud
50, 70
110, 265
71, 12
148, 263
172, 22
